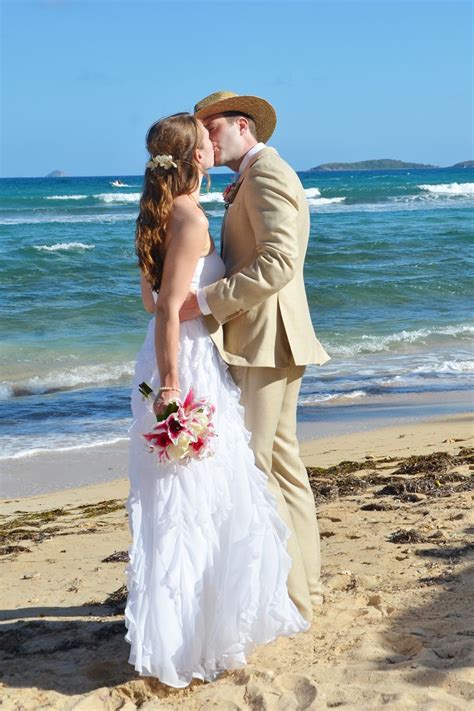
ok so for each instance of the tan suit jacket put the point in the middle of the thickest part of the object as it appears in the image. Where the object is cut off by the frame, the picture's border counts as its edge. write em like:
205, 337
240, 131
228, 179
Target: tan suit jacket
260, 315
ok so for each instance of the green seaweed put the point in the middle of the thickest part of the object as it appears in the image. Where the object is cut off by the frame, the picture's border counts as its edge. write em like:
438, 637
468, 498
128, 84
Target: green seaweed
430, 475
101, 507
7, 550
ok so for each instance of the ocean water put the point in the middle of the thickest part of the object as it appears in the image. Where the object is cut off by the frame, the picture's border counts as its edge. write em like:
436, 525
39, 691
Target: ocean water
388, 275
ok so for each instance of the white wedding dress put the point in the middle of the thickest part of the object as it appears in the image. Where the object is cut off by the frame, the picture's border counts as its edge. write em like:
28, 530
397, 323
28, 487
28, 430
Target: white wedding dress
208, 562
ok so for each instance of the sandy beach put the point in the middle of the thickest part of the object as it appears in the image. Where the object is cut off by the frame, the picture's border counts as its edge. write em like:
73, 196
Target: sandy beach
395, 630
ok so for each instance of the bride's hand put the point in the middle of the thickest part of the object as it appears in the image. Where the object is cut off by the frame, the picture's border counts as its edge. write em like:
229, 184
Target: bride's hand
162, 400
190, 308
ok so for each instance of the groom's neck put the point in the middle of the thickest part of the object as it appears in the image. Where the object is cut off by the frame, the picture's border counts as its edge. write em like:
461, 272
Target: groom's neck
234, 164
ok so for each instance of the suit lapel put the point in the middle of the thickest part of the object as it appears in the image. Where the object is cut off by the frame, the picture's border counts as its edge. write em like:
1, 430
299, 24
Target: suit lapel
253, 160
241, 179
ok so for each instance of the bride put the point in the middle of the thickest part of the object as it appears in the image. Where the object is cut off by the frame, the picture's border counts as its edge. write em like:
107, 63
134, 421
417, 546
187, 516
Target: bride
208, 562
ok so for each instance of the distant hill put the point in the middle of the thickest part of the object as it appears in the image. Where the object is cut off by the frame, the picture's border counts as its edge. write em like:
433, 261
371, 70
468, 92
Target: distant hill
464, 164
56, 174
380, 164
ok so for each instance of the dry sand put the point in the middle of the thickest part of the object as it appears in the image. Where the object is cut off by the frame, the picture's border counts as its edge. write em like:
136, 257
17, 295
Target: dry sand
395, 630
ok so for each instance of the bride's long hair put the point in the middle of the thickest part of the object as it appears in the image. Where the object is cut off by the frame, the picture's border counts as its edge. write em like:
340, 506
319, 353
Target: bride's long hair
177, 136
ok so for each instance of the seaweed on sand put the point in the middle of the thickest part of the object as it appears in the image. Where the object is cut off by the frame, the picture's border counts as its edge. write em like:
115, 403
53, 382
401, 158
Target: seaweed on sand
116, 557
406, 536
33, 525
33, 518
429, 475
13, 535
7, 550
435, 463
101, 507
338, 480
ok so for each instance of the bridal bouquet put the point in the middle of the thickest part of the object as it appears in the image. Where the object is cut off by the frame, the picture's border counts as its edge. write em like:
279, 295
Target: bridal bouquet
184, 431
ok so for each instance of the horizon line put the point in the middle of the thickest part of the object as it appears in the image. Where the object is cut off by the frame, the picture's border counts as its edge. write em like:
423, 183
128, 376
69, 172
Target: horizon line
230, 172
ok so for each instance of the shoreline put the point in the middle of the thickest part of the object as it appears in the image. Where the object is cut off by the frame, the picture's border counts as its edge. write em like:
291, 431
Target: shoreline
379, 411
33, 477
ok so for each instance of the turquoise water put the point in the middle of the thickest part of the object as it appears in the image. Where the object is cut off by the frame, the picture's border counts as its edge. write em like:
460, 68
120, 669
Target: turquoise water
388, 274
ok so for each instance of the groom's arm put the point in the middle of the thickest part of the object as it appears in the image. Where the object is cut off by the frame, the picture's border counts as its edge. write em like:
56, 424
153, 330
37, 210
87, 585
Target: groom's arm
273, 214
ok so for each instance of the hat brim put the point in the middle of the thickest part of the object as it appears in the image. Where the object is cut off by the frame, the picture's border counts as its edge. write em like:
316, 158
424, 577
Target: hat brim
260, 110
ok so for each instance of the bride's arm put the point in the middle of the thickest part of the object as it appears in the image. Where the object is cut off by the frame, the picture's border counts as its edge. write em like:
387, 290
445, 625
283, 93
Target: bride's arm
147, 294
188, 236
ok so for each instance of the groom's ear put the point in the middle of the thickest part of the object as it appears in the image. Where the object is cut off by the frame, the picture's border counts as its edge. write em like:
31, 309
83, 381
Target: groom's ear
247, 123
243, 123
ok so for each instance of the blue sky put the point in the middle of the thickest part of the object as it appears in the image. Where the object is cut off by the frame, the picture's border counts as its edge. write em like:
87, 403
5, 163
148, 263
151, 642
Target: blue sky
350, 80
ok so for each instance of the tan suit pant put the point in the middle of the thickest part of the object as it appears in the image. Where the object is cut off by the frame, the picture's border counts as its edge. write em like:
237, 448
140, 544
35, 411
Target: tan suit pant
269, 396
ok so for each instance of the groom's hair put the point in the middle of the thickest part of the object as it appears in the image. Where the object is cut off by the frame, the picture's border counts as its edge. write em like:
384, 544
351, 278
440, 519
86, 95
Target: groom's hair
232, 115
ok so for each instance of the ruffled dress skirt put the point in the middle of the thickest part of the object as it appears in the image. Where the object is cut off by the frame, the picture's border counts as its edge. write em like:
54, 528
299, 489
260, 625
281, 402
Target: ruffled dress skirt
208, 566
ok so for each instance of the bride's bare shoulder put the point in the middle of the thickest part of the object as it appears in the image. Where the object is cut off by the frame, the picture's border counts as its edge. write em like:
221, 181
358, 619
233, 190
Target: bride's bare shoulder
188, 225
185, 211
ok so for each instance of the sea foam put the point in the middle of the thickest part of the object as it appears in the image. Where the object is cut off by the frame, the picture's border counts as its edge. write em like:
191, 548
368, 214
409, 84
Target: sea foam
447, 366
67, 219
449, 189
63, 247
118, 197
325, 201
312, 192
313, 196
315, 398
211, 197
67, 197
376, 344
83, 376
56, 445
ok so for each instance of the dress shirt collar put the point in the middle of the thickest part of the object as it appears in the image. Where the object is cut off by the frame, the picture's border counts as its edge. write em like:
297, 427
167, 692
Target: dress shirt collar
246, 159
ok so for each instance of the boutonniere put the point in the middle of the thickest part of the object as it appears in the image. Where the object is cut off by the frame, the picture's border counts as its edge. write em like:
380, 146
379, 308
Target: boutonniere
229, 193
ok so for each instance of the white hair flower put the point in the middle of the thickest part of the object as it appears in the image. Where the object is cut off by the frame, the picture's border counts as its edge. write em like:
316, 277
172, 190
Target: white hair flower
161, 161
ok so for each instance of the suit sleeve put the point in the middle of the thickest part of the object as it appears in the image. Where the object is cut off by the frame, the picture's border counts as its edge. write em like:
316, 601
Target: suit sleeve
273, 212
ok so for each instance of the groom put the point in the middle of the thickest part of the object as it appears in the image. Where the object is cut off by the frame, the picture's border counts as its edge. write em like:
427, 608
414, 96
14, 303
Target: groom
258, 314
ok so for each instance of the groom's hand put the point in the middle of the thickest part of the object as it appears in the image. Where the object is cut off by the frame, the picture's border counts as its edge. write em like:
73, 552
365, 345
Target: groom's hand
190, 308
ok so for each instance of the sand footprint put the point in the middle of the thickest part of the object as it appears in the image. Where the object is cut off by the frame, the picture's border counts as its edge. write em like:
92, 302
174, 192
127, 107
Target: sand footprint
285, 692
298, 688
406, 645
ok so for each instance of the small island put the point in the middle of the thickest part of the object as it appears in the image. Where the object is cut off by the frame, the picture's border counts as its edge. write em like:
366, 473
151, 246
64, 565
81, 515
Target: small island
56, 174
464, 164
378, 164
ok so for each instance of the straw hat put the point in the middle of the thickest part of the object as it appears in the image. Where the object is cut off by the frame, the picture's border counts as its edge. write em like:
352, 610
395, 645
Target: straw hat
260, 110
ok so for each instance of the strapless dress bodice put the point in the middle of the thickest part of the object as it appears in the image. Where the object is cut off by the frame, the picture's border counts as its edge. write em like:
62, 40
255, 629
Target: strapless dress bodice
208, 270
